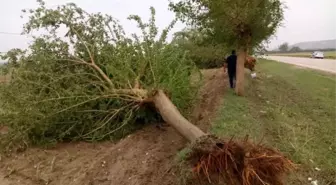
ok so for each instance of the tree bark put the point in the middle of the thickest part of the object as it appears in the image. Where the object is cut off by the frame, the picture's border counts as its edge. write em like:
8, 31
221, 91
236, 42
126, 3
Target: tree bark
240, 74
173, 117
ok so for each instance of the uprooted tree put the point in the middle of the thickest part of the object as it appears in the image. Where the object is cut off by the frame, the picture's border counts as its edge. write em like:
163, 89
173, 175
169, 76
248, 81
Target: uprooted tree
241, 24
95, 82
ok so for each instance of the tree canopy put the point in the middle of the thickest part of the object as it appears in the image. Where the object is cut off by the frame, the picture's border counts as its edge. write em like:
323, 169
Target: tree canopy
232, 21
284, 47
240, 24
204, 54
295, 49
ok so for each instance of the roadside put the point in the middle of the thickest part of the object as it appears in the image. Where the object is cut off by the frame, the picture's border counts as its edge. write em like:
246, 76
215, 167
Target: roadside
291, 109
327, 65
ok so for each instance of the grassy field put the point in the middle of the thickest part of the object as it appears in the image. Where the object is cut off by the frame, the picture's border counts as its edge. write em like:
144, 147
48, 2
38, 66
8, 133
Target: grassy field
327, 54
292, 109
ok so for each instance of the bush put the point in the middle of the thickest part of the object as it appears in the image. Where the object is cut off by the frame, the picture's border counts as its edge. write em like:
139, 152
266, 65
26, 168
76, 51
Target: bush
209, 64
205, 54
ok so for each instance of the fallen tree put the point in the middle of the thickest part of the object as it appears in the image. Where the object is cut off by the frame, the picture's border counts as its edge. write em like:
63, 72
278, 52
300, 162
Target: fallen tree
216, 160
94, 84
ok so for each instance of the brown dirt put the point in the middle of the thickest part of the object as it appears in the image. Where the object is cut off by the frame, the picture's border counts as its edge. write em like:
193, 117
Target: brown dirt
143, 158
4, 78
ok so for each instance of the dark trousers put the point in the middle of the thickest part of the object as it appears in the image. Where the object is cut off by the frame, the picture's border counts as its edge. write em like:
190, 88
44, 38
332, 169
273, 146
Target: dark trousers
232, 78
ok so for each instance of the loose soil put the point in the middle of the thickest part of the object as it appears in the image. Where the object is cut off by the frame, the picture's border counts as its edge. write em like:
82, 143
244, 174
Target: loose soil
143, 158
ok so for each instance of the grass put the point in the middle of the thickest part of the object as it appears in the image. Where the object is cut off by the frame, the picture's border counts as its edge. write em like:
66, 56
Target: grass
291, 109
327, 54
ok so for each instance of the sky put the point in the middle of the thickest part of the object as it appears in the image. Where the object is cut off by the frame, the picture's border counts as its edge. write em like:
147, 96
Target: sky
305, 20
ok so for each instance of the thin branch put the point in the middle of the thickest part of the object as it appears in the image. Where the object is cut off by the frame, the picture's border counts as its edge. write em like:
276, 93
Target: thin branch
80, 61
125, 122
73, 106
134, 95
61, 98
101, 72
108, 120
93, 64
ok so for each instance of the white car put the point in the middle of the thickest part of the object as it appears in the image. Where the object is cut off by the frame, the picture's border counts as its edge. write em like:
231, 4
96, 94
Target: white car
317, 54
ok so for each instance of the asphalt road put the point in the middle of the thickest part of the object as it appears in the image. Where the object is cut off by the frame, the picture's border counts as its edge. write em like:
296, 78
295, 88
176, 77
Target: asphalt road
328, 65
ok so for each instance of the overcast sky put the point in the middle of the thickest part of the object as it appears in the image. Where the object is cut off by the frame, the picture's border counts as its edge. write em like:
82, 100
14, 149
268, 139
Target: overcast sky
306, 20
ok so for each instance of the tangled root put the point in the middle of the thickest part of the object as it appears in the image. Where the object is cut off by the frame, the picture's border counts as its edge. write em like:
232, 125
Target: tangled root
241, 163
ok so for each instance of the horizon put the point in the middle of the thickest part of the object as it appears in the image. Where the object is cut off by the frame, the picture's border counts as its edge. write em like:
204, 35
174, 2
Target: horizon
311, 41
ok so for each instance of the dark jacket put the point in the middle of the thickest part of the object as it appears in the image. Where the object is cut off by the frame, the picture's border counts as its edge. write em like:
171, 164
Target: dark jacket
231, 63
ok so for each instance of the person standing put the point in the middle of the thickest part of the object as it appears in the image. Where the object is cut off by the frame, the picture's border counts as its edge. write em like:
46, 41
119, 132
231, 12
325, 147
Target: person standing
231, 66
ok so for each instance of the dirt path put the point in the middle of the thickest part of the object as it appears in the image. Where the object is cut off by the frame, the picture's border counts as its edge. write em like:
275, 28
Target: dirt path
143, 158
328, 65
3, 181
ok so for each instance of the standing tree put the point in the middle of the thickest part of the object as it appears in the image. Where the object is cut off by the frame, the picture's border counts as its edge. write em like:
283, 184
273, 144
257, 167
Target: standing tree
241, 24
295, 49
204, 54
284, 47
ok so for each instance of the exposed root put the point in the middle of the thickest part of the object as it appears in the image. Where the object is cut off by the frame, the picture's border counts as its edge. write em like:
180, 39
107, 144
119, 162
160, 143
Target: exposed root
241, 163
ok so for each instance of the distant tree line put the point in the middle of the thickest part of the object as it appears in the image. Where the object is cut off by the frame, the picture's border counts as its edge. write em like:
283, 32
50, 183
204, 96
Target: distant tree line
285, 48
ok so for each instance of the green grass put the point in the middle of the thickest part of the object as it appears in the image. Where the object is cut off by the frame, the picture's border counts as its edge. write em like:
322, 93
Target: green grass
293, 110
327, 54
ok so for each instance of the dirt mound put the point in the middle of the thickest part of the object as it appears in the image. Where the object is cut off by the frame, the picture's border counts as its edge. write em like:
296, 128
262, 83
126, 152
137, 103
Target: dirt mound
145, 157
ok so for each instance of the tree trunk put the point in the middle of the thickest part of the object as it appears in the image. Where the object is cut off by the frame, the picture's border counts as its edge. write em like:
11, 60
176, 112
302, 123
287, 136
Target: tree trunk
174, 118
240, 74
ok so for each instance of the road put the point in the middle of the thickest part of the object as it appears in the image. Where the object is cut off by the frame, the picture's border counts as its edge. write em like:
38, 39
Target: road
328, 65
